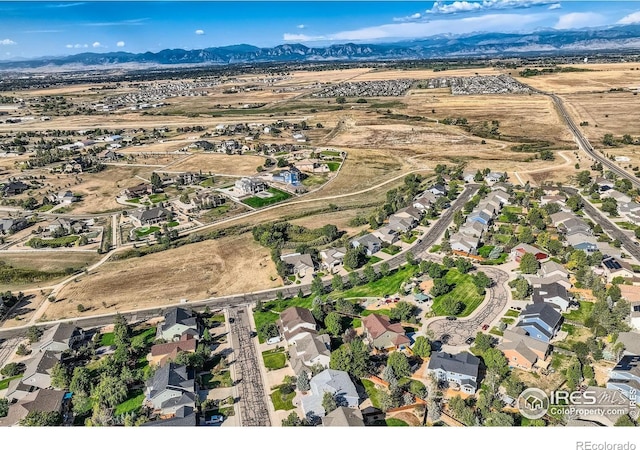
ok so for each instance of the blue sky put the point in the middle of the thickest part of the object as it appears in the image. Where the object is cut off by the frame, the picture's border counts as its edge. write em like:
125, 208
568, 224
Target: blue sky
30, 29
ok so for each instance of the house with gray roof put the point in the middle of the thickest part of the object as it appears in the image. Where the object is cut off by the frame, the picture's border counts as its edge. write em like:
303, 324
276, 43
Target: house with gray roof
343, 417
332, 257
539, 281
461, 369
59, 338
308, 351
12, 225
369, 242
573, 226
561, 217
631, 342
178, 321
521, 350
541, 321
185, 416
402, 222
296, 323
37, 375
625, 377
387, 234
151, 216
250, 186
553, 294
170, 388
42, 400
338, 384
464, 243
383, 335
582, 241
301, 264
14, 188
551, 268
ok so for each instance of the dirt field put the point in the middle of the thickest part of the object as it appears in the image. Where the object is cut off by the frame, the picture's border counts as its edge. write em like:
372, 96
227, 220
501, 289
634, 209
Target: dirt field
340, 219
25, 310
193, 271
220, 163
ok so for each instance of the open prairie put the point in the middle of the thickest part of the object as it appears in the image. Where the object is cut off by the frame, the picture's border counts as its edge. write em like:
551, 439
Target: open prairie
598, 78
219, 163
194, 271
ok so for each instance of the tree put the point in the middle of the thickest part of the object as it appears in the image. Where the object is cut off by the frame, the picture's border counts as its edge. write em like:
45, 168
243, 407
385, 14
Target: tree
292, 420
59, 376
317, 287
422, 347
333, 323
384, 269
481, 282
482, 342
608, 140
529, 263
354, 258
329, 402
495, 361
80, 382
498, 419
610, 206
623, 421
410, 258
451, 306
110, 391
344, 306
156, 181
526, 235
22, 350
463, 265
34, 334
575, 203
42, 419
440, 287
341, 100
400, 364
521, 287
4, 407
370, 274
336, 283
281, 162
352, 358
583, 178
12, 369
403, 311
303, 382
573, 373
268, 330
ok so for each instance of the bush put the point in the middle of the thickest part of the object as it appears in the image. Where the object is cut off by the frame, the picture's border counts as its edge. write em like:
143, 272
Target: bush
12, 369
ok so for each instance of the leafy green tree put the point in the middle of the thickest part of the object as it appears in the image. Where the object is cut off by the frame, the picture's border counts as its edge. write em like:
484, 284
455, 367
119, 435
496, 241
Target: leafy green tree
451, 306
81, 381
482, 343
573, 373
608, 140
12, 369
403, 311
344, 306
156, 181
498, 419
528, 263
317, 287
610, 206
481, 281
422, 347
336, 283
333, 323
329, 402
583, 178
513, 386
4, 407
526, 235
303, 382
292, 420
384, 269
354, 279
623, 421
268, 330
463, 265
370, 274
521, 287
440, 287
354, 258
34, 334
353, 358
575, 203
59, 376
495, 361
41, 419
400, 364
110, 391
410, 258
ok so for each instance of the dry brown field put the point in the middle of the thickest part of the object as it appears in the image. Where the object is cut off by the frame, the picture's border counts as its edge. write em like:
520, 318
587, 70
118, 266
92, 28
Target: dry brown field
219, 163
339, 218
602, 77
225, 266
26, 309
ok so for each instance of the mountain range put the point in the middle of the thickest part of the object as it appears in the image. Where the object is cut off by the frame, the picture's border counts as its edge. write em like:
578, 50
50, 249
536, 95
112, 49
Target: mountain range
541, 42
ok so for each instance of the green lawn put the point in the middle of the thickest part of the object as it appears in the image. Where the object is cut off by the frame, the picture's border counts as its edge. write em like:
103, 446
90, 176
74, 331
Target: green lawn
513, 209
156, 198
217, 380
385, 285
435, 248
144, 337
373, 260
274, 307
106, 339
4, 384
172, 224
496, 331
570, 329
144, 231
380, 312
65, 241
392, 250
133, 200
274, 360
508, 320
396, 423
485, 250
217, 211
329, 153
512, 313
502, 238
45, 208
258, 202
207, 183
372, 392
333, 166
581, 314
411, 240
356, 323
464, 291
282, 402
132, 403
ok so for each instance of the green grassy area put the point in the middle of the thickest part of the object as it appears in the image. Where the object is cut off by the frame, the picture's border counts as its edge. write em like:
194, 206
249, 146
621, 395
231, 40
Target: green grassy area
131, 404
274, 360
271, 310
157, 198
502, 238
485, 250
372, 392
410, 240
464, 291
333, 166
512, 209
217, 211
133, 200
512, 313
626, 225
380, 312
172, 224
435, 248
496, 331
258, 202
314, 181
508, 320
144, 231
385, 285
143, 337
329, 153
356, 323
64, 241
373, 260
207, 183
217, 380
492, 262
45, 208
282, 402
4, 384
570, 329
392, 250
396, 423
581, 314
107, 339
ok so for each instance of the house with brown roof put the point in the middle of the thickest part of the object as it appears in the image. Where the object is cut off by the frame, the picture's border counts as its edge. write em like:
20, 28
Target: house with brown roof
295, 323
521, 249
161, 354
343, 417
43, 400
523, 351
383, 335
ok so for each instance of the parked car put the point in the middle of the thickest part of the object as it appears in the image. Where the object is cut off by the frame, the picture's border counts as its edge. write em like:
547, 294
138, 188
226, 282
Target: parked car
231, 320
485, 327
274, 340
470, 340
452, 318
215, 419
396, 300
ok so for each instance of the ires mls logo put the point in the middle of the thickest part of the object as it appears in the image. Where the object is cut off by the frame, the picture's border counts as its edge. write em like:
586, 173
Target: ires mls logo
533, 403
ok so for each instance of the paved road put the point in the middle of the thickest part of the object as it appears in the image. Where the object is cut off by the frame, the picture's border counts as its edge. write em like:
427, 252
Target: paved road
7, 348
420, 247
455, 332
254, 411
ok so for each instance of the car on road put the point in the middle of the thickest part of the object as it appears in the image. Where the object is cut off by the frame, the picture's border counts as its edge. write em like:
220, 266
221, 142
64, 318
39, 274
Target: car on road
452, 318
485, 327
215, 419
470, 340
231, 320
396, 300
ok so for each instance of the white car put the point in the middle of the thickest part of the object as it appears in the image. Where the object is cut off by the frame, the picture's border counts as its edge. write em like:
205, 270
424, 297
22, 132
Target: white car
214, 420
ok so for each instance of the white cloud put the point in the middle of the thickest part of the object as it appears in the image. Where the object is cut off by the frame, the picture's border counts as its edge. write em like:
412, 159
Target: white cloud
631, 18
7, 42
579, 20
415, 16
120, 23
65, 5
302, 37
96, 44
301, 26
120, 44
555, 6
69, 46
199, 32
77, 45
462, 6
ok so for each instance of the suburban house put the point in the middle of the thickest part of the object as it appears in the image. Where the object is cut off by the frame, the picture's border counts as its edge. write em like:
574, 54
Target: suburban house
207, 200
67, 225
546, 199
151, 216
42, 400
188, 178
338, 384
313, 166
424, 202
302, 264
625, 377
613, 268
523, 351
383, 335
541, 281
500, 192
479, 216
250, 186
541, 321
177, 322
288, 176
11, 225
37, 374
630, 341
402, 223
464, 243
308, 351
634, 315
296, 323
138, 191
185, 416
551, 268
170, 388
108, 155
475, 229
59, 338
387, 234
604, 183
521, 249
343, 417
14, 188
438, 190
369, 242
63, 198
573, 226
629, 208
461, 369
616, 195
581, 241
161, 354
332, 257
553, 294
494, 177
561, 217
593, 414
